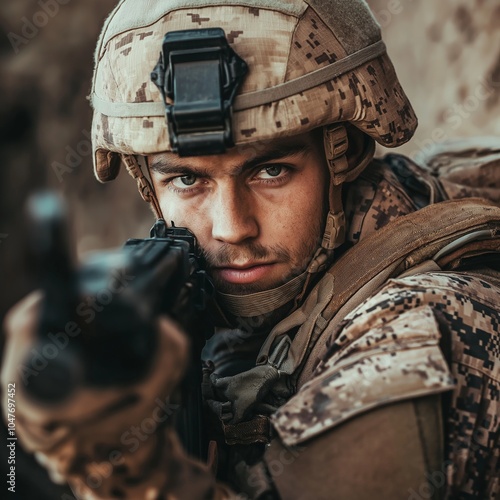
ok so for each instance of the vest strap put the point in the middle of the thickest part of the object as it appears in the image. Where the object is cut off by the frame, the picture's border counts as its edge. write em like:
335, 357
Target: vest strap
257, 430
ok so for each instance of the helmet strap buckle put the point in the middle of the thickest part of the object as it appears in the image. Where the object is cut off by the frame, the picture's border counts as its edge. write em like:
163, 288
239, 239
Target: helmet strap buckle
334, 234
336, 143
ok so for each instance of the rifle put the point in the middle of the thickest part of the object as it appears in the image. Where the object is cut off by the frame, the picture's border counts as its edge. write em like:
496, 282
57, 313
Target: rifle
114, 299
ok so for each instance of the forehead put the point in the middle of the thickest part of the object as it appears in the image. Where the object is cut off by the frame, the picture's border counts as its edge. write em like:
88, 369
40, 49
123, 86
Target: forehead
242, 155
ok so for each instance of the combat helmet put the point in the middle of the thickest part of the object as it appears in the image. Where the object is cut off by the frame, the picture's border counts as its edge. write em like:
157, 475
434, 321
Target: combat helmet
311, 63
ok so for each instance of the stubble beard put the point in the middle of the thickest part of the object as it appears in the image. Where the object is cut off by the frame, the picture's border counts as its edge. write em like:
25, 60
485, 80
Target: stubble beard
252, 251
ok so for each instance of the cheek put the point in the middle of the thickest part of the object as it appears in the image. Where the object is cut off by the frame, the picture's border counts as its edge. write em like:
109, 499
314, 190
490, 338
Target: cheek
173, 208
296, 224
171, 211
306, 204
184, 213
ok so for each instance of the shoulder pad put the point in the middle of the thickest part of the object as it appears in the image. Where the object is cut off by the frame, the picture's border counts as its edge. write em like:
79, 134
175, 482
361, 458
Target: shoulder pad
386, 362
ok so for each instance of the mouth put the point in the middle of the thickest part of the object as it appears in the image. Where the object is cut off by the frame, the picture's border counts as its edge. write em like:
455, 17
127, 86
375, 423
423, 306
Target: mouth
245, 273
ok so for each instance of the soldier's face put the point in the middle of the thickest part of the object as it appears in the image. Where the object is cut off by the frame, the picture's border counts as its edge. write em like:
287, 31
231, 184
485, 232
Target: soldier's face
257, 211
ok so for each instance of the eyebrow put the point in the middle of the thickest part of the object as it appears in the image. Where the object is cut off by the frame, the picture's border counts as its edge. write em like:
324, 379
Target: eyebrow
174, 165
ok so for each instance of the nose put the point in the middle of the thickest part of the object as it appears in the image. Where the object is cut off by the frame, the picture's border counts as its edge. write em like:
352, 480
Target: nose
233, 216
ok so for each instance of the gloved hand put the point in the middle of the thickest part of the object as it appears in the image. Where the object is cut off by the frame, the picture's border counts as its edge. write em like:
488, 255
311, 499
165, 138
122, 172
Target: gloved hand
107, 443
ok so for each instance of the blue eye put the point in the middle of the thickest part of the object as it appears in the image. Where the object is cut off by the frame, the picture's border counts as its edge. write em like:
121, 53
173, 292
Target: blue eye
184, 181
271, 172
274, 170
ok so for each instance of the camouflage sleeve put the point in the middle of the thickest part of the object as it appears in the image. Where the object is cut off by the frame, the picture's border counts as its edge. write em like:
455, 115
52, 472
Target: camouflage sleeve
391, 349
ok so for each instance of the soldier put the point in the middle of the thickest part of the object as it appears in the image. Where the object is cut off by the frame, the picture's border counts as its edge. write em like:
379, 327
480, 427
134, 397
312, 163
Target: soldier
357, 348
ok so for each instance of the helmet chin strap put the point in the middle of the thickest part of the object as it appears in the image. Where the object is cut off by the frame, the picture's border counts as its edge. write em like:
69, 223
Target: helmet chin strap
344, 165
259, 304
145, 187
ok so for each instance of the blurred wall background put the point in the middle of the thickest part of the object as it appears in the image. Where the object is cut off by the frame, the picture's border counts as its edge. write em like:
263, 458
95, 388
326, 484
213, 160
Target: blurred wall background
447, 55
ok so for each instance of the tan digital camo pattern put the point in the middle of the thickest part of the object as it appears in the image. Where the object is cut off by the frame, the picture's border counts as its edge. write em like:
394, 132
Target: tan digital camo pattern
465, 168
375, 342
278, 47
386, 357
377, 199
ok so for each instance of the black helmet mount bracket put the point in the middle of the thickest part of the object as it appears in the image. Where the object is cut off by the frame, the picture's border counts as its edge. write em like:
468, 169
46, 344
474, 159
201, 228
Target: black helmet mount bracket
198, 75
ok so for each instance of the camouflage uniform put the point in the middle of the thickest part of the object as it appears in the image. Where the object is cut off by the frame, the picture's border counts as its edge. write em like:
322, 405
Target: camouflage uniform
424, 334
